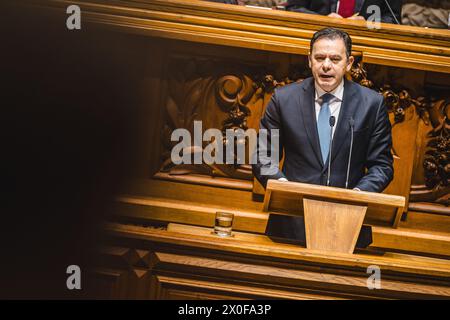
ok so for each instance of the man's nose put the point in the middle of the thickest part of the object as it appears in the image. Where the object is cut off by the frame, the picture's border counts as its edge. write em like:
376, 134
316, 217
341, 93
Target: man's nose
326, 64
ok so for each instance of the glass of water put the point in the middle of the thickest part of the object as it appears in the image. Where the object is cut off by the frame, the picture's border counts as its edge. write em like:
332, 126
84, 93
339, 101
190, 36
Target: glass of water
223, 224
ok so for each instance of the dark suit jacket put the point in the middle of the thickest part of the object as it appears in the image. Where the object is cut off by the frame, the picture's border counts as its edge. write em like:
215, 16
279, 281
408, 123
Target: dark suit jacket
325, 7
292, 111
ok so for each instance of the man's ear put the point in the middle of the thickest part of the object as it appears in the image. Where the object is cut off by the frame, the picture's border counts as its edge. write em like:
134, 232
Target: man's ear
309, 60
351, 59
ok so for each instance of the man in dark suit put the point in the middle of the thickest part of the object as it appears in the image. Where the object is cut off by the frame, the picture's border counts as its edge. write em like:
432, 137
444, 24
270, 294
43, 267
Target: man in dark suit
352, 9
301, 112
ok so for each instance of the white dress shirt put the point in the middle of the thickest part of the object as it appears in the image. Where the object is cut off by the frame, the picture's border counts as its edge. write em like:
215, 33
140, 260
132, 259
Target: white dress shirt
335, 103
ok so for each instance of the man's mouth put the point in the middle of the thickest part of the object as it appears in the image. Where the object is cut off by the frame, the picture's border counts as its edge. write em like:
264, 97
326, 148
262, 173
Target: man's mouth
326, 76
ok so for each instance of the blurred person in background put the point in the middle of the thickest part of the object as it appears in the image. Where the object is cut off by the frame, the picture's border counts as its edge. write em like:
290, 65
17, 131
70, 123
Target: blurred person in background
429, 13
256, 3
350, 9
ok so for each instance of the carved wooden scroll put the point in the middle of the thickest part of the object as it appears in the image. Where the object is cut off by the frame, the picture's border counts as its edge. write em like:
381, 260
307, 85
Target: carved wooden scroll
220, 97
436, 157
434, 154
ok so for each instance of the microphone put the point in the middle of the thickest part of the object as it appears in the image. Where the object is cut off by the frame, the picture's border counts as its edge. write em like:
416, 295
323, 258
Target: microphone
392, 12
351, 121
332, 123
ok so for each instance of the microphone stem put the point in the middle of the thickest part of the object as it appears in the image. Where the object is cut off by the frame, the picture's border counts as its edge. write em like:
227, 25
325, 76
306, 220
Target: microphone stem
392, 12
349, 155
329, 156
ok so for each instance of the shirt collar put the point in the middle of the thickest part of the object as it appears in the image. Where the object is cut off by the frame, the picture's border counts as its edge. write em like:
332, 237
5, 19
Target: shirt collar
338, 92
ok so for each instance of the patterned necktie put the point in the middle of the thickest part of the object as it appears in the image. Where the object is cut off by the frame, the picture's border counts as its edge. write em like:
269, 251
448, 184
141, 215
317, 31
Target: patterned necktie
346, 8
323, 125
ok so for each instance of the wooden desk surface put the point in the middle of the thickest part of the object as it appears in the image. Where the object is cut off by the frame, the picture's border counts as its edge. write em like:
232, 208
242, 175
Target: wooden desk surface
262, 246
189, 262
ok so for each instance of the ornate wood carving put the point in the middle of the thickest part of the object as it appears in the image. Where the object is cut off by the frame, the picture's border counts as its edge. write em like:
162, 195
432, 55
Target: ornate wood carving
437, 161
220, 98
437, 157
436, 113
186, 89
396, 102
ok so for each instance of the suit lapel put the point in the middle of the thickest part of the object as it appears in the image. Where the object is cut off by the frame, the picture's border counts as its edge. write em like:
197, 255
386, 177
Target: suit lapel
307, 107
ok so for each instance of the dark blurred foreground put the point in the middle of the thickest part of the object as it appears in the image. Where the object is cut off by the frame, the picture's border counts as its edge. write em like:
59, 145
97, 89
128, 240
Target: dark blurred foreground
65, 148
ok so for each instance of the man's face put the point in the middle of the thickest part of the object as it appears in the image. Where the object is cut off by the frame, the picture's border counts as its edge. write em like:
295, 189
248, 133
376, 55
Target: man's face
328, 62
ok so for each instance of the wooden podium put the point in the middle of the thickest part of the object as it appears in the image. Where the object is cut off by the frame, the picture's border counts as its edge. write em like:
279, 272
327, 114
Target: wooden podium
333, 216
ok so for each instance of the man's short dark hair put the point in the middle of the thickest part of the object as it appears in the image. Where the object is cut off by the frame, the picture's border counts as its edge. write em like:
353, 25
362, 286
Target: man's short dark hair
332, 33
